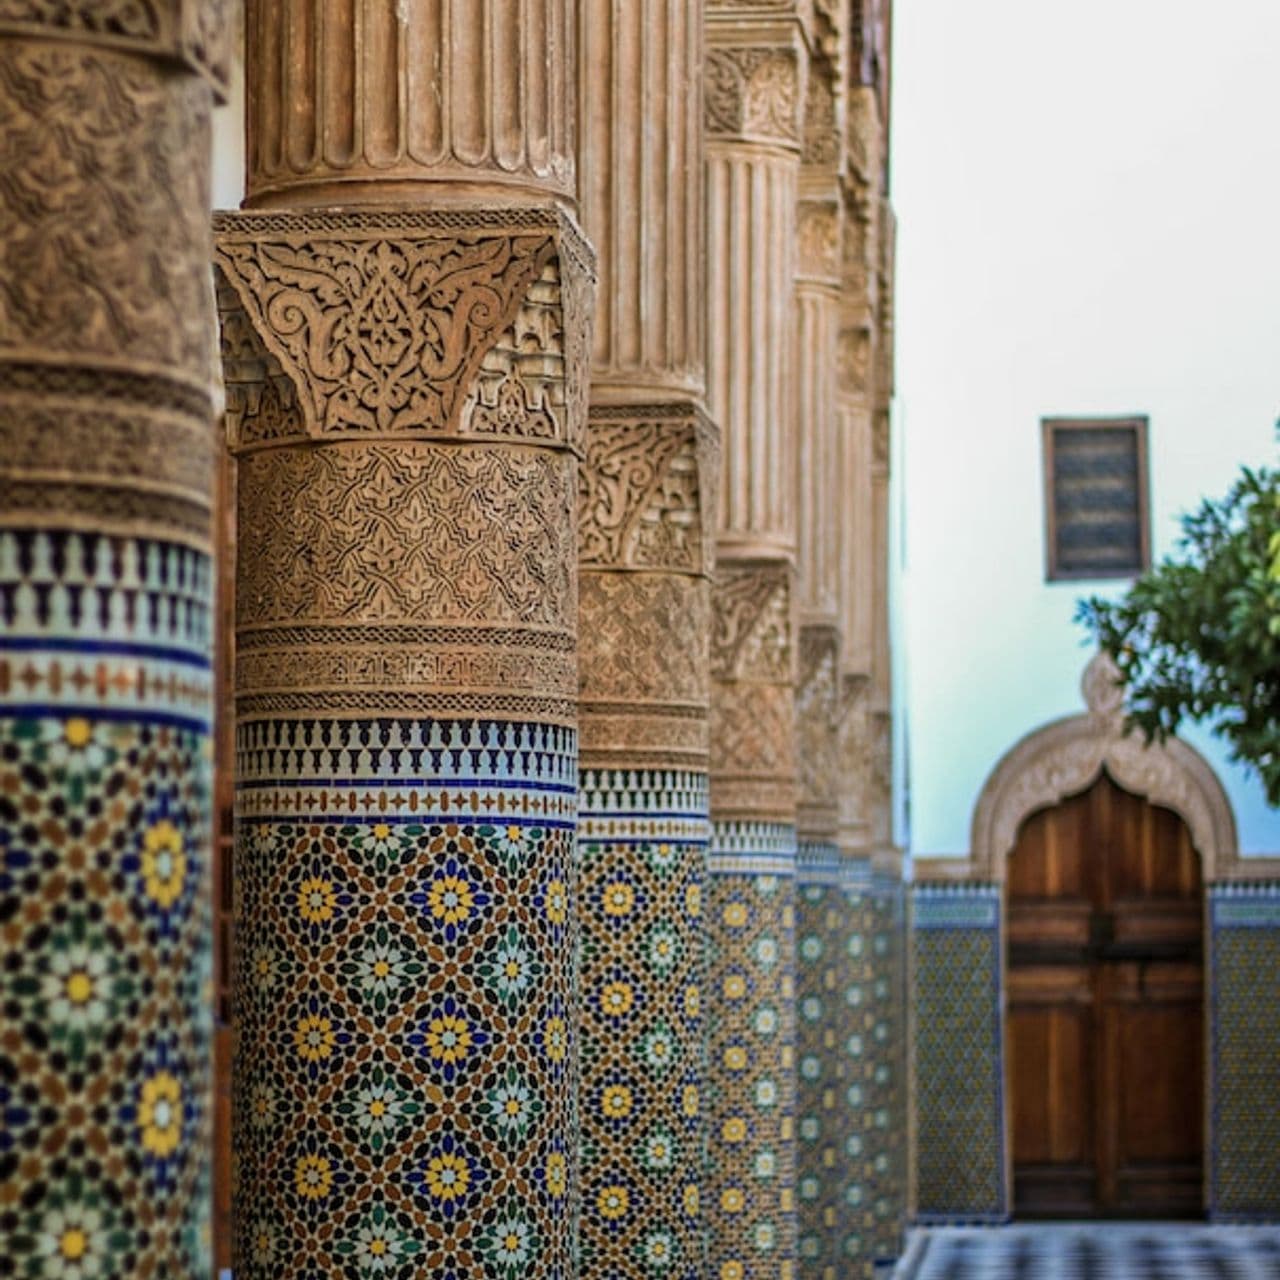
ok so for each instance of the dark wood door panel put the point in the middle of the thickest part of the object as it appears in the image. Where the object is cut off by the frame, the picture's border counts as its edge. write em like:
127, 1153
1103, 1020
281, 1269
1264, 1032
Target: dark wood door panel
1105, 1018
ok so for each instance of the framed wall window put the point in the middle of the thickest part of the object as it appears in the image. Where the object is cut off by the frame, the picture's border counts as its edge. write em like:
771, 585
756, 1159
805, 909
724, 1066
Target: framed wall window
1095, 497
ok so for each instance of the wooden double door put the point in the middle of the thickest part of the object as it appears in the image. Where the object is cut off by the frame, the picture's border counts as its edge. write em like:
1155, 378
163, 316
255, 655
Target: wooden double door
1106, 1008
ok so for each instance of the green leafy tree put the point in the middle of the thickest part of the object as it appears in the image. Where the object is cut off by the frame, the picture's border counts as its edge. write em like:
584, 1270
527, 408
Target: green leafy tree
1198, 636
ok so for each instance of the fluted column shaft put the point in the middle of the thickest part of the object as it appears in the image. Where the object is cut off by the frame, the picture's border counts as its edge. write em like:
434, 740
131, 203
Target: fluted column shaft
406, 349
755, 73
106, 579
373, 100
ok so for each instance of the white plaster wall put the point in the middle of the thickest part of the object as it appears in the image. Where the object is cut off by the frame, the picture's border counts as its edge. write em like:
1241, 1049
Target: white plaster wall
228, 144
1088, 198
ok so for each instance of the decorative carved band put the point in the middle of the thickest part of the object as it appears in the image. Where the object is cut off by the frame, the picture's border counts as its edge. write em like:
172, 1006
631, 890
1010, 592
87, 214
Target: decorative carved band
753, 627
644, 669
433, 323
645, 549
88, 462
753, 94
822, 143
818, 722
104, 256
753, 692
196, 33
364, 539
423, 561
818, 226
854, 745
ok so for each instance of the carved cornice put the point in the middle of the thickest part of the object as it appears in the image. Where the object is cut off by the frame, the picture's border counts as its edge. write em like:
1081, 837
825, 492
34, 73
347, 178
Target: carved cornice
194, 33
400, 322
853, 361
887, 272
392, 571
1067, 756
647, 477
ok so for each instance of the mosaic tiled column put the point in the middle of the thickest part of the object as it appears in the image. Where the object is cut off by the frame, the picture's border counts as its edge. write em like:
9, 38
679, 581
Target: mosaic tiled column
854, 986
754, 87
821, 932
406, 391
960, 1120
1244, 1075
645, 546
885, 1094
106, 474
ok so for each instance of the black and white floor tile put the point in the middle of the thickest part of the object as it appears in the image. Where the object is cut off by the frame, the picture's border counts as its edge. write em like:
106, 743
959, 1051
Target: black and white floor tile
1095, 1251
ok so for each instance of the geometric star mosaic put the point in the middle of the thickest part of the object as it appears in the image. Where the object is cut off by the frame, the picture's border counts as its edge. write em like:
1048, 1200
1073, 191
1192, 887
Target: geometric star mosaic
959, 1071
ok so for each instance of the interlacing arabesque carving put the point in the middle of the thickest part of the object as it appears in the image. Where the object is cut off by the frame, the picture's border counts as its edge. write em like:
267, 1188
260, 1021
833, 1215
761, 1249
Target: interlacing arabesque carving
818, 238
261, 400
519, 390
387, 332
638, 496
853, 360
752, 625
106, 242
753, 733
407, 532
196, 31
818, 719
643, 637
752, 91
821, 127
855, 750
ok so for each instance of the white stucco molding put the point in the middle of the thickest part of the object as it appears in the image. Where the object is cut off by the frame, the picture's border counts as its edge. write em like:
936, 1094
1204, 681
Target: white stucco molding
1066, 756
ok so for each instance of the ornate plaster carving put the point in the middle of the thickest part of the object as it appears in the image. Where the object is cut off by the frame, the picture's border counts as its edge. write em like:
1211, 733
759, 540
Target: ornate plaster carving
401, 323
818, 720
642, 489
818, 239
1065, 757
753, 92
194, 32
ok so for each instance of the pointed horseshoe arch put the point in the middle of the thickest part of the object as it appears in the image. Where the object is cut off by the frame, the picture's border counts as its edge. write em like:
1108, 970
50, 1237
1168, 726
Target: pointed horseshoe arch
1066, 756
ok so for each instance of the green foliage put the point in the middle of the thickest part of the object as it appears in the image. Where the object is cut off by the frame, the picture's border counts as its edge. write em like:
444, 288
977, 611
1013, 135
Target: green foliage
1198, 636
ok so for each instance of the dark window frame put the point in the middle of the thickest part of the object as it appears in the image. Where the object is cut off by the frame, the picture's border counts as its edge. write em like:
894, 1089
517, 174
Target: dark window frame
1138, 423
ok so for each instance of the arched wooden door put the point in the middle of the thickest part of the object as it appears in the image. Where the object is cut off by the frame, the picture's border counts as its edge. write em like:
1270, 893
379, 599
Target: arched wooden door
1106, 1007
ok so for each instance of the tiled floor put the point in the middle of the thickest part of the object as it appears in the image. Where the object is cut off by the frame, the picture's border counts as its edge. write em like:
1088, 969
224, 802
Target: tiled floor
1095, 1251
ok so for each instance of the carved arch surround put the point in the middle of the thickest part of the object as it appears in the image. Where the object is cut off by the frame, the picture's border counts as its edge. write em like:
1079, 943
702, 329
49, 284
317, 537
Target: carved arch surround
1066, 756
